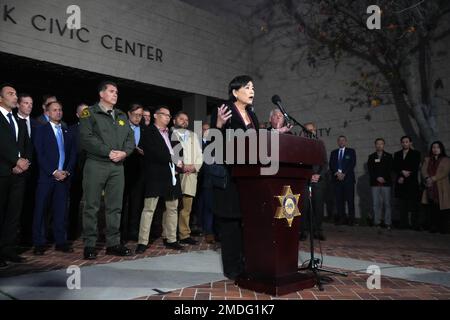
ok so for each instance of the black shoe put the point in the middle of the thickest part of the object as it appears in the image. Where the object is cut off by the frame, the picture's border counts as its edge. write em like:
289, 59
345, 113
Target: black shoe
197, 233
90, 253
189, 241
3, 264
303, 236
174, 245
15, 258
140, 249
66, 248
39, 250
233, 276
319, 236
118, 250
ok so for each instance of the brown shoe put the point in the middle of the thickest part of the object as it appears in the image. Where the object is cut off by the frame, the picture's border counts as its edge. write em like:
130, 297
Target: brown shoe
209, 238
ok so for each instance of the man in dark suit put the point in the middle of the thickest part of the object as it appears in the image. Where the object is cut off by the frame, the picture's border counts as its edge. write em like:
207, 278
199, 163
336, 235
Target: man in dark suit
133, 201
43, 118
342, 166
76, 182
46, 99
406, 167
24, 109
160, 181
15, 150
56, 152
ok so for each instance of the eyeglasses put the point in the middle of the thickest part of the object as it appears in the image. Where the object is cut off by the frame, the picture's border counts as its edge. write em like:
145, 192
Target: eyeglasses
165, 114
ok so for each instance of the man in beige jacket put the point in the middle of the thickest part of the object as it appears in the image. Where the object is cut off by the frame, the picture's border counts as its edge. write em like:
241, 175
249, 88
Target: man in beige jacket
192, 162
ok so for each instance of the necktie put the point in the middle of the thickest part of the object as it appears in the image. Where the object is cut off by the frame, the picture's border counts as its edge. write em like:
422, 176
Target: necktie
137, 135
110, 112
340, 158
11, 124
62, 154
29, 127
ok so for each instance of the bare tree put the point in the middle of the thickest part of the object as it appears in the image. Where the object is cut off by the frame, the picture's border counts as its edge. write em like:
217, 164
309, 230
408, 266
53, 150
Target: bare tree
400, 53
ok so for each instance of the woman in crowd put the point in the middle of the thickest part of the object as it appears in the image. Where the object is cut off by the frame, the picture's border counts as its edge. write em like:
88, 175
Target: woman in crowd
435, 170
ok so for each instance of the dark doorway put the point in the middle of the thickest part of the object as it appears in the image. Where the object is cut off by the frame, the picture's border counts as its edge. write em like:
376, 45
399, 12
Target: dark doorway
74, 86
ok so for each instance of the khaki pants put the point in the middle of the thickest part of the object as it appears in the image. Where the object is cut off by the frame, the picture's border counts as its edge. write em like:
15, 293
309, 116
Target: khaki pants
170, 220
184, 231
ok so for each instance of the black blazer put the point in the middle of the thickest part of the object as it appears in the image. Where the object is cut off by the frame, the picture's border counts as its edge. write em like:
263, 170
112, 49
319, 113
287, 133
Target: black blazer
235, 122
10, 148
158, 177
410, 188
383, 168
134, 163
226, 202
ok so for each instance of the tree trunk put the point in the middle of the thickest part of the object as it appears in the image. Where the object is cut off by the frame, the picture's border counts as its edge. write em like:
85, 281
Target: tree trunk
414, 79
403, 111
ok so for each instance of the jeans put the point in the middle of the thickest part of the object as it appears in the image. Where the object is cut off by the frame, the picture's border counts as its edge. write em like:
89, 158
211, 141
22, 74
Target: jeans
382, 197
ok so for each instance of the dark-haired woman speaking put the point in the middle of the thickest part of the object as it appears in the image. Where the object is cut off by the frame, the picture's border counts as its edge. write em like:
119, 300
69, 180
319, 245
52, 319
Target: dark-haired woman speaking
237, 113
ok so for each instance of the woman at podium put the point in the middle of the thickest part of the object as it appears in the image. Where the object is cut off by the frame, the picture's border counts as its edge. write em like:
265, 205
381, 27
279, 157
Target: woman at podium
237, 113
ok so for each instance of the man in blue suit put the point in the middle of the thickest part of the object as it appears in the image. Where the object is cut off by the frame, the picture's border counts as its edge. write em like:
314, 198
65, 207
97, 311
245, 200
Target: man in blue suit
56, 152
342, 166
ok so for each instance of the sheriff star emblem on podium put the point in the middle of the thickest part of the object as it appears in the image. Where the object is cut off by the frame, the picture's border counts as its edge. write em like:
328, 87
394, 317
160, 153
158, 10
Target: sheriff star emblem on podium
288, 206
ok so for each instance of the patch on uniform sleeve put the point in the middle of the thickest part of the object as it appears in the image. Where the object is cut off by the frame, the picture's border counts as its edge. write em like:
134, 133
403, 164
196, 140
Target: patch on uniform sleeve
121, 123
85, 114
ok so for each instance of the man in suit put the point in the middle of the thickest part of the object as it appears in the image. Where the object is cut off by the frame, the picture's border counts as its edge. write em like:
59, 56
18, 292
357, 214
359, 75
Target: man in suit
192, 158
160, 181
380, 165
56, 152
46, 99
406, 167
24, 109
15, 152
133, 196
278, 122
43, 118
318, 187
342, 165
147, 117
76, 188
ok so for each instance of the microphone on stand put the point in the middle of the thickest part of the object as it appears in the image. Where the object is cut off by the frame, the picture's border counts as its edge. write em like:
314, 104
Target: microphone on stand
276, 100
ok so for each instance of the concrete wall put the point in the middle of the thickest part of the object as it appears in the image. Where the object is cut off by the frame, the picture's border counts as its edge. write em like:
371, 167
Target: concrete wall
316, 95
201, 52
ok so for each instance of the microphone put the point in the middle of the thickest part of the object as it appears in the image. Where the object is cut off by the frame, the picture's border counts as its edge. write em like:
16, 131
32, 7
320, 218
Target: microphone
276, 100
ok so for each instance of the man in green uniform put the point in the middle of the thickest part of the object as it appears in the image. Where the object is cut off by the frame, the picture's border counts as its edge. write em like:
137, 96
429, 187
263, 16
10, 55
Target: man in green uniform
107, 140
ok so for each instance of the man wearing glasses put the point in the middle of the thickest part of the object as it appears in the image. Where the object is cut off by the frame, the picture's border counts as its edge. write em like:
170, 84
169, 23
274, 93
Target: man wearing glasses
160, 181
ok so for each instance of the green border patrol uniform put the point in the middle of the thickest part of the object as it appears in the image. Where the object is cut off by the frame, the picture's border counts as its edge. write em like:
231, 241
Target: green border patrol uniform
100, 133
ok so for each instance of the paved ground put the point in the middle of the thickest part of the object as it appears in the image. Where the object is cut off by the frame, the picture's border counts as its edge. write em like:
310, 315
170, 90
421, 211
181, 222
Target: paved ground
400, 248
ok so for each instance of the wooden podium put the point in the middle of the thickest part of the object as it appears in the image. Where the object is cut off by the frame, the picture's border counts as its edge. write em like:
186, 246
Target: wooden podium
270, 245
